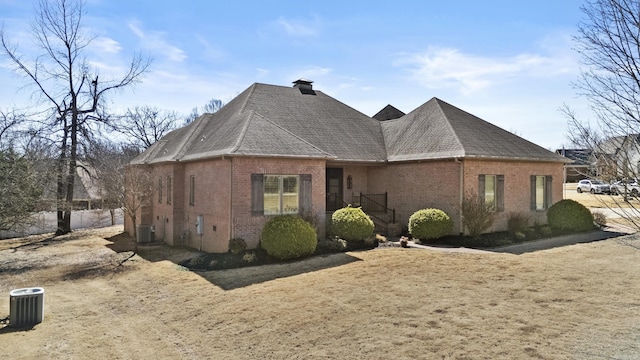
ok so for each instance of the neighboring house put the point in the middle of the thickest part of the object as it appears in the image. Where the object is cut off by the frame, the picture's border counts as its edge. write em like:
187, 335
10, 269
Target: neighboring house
581, 167
617, 158
295, 150
86, 192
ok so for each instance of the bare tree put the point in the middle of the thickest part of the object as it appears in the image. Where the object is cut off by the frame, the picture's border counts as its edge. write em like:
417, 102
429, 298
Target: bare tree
477, 216
608, 42
108, 161
9, 120
67, 83
211, 107
609, 45
144, 125
139, 190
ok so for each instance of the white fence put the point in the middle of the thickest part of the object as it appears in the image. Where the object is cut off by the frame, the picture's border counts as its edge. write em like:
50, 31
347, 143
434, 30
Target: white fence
46, 222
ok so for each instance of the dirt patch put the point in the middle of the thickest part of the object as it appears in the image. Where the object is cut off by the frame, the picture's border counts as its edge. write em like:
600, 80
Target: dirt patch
573, 302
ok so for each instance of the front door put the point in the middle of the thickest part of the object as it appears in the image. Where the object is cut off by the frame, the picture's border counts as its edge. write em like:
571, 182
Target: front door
334, 189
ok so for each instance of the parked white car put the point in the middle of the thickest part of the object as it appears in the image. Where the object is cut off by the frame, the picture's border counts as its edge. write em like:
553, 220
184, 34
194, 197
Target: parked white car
628, 187
594, 187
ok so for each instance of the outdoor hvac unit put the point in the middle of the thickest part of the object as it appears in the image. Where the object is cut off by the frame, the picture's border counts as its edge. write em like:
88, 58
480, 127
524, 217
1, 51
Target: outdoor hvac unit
145, 233
26, 306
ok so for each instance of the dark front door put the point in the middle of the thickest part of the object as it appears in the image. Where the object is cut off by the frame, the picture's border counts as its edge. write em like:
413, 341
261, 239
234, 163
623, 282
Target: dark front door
334, 189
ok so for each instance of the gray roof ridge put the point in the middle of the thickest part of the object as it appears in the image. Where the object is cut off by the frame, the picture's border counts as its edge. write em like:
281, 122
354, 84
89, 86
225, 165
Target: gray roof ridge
197, 126
522, 140
247, 121
254, 113
252, 88
453, 130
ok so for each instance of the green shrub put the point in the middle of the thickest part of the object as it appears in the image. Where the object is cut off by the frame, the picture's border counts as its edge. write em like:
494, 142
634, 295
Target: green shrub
429, 224
546, 231
569, 216
288, 237
517, 222
237, 246
351, 224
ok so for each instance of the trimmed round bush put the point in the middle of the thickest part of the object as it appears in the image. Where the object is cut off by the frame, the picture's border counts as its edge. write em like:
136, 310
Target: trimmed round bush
351, 224
429, 224
288, 237
569, 216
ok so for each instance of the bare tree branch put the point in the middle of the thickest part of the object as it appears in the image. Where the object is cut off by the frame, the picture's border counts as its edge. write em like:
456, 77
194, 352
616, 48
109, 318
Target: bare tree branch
72, 88
144, 125
608, 42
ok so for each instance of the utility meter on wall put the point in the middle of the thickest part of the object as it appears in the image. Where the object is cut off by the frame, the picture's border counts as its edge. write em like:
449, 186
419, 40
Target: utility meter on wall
199, 224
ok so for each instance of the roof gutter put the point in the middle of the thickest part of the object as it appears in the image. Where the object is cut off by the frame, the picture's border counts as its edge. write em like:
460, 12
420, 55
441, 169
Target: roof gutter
231, 182
480, 157
460, 222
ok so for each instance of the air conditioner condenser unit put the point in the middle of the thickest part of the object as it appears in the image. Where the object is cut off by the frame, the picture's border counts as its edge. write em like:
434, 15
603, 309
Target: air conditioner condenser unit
26, 306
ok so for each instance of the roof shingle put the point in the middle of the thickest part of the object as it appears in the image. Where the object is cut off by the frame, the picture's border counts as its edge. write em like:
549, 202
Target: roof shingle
269, 120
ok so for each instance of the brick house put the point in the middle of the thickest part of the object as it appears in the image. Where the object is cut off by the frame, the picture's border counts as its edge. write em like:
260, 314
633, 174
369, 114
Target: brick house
295, 150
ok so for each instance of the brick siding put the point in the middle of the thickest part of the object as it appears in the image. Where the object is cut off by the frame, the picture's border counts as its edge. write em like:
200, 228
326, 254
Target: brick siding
223, 193
249, 227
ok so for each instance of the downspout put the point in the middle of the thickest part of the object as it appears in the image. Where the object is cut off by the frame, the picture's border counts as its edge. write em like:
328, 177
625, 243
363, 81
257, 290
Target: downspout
230, 228
461, 225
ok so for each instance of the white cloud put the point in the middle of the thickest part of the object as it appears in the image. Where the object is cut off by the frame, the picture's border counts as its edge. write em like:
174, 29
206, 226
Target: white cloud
155, 42
106, 45
299, 28
439, 68
261, 73
209, 51
313, 72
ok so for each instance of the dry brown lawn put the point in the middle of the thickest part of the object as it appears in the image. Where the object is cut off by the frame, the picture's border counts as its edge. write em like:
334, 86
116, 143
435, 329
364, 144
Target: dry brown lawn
574, 302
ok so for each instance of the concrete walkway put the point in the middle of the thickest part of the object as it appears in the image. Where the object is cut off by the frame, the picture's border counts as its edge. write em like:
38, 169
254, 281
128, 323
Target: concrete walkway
534, 245
558, 241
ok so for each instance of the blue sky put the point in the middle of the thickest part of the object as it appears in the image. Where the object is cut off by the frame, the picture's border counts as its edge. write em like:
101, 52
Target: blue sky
508, 62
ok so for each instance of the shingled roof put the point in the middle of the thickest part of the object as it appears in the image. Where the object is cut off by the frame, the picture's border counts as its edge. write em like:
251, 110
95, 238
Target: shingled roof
268, 120
437, 130
389, 112
277, 121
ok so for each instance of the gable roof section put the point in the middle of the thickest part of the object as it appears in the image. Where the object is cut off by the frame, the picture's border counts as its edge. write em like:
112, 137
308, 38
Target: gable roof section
439, 130
166, 148
389, 112
252, 135
320, 120
579, 157
613, 146
269, 120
